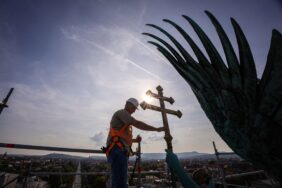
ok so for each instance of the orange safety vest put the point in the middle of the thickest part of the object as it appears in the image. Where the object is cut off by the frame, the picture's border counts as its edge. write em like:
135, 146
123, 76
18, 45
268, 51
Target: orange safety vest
125, 133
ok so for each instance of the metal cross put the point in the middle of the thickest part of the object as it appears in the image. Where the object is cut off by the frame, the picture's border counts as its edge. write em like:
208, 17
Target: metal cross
168, 138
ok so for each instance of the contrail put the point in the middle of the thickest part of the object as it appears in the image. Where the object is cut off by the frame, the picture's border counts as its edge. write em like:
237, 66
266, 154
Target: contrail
145, 70
147, 48
110, 52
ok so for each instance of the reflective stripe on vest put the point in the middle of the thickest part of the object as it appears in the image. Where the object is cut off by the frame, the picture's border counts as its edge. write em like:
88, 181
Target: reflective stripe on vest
125, 133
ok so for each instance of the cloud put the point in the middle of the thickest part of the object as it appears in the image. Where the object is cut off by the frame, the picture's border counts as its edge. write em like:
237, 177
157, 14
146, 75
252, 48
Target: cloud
99, 138
122, 45
69, 35
153, 137
67, 89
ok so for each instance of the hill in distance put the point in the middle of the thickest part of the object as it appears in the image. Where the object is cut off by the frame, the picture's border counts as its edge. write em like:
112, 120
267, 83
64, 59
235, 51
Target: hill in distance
144, 156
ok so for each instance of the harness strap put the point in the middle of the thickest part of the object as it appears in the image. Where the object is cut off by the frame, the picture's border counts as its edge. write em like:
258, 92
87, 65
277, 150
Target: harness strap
115, 138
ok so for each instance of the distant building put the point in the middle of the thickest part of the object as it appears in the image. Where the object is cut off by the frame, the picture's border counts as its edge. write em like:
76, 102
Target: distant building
41, 184
35, 182
6, 178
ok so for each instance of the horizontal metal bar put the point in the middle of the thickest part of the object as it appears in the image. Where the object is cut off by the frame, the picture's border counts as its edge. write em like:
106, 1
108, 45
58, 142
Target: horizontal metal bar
87, 173
225, 153
68, 173
245, 174
232, 185
48, 148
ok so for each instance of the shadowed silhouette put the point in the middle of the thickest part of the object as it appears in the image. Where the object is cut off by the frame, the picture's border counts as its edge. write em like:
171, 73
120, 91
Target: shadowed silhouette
244, 110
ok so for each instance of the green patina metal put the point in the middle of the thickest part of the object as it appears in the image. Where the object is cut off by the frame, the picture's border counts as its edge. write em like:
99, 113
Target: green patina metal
244, 110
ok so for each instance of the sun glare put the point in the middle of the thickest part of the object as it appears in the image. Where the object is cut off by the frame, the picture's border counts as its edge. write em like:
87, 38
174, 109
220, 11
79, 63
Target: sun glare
147, 98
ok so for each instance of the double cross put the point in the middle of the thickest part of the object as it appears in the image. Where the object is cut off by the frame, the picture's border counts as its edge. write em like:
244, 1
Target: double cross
164, 111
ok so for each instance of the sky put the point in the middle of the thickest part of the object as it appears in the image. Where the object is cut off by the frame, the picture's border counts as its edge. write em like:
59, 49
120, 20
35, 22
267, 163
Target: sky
74, 63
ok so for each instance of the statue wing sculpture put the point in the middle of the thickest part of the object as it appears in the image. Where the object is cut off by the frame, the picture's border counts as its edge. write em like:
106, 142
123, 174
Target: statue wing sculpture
244, 110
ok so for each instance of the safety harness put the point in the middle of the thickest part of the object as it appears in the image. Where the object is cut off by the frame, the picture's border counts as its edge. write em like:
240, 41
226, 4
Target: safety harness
125, 133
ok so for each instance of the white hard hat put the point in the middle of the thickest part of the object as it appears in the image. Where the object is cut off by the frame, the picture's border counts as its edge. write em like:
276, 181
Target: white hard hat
133, 101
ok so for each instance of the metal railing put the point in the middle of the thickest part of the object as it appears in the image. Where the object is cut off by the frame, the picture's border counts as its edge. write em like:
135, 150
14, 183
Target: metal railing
49, 148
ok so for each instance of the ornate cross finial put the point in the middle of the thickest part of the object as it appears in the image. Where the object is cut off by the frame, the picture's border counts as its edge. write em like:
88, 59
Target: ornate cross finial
168, 138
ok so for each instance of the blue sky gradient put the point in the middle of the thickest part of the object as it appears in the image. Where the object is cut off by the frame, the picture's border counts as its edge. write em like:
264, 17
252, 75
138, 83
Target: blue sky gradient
74, 63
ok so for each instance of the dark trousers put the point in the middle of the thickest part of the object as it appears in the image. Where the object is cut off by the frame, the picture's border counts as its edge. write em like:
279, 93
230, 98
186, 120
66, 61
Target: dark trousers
119, 163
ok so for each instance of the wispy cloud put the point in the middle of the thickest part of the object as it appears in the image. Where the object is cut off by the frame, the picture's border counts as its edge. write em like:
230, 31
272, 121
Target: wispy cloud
69, 82
155, 137
146, 49
99, 138
123, 44
150, 138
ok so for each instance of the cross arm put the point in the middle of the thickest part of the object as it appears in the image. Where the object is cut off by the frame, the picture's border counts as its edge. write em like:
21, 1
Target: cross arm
145, 106
154, 95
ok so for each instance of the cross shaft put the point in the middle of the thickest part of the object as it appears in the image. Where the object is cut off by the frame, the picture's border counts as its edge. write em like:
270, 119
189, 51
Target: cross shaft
168, 138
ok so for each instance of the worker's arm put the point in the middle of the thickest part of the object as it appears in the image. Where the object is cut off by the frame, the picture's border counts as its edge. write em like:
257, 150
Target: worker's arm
143, 126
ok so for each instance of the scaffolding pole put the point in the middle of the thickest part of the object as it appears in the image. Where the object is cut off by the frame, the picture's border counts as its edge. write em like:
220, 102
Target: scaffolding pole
48, 148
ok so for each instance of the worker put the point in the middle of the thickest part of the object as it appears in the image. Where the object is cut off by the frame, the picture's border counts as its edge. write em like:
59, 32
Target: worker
120, 140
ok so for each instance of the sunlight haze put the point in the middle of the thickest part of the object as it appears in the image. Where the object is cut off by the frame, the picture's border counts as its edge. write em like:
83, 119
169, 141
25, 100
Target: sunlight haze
74, 63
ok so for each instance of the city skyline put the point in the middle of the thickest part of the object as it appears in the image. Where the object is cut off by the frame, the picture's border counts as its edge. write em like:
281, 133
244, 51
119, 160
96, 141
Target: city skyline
73, 64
